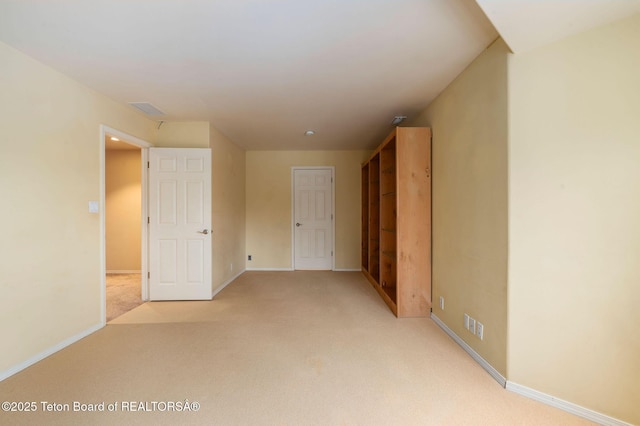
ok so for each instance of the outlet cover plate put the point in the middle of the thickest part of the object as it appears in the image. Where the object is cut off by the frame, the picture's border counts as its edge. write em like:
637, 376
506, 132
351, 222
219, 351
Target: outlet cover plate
479, 330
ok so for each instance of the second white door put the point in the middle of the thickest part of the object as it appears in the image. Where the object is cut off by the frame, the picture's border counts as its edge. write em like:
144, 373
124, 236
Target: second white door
180, 223
313, 218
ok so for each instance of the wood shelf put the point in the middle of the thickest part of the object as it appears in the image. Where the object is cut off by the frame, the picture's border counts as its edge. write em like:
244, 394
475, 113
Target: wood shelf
391, 291
396, 221
389, 254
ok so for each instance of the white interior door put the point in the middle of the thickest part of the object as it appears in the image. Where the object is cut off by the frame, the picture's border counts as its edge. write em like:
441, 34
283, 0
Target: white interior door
313, 218
180, 224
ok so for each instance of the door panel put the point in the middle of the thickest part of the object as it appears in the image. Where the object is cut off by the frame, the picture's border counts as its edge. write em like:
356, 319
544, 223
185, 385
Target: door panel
167, 202
313, 224
179, 224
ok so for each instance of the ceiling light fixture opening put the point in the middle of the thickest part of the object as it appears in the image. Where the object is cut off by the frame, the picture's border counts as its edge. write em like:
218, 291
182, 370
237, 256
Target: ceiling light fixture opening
309, 133
113, 138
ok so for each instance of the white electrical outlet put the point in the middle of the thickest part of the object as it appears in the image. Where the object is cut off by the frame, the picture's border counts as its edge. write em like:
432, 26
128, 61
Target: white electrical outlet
472, 325
466, 321
442, 303
479, 330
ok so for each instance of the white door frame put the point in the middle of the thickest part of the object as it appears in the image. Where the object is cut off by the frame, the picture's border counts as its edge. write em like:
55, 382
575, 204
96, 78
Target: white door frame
333, 212
144, 258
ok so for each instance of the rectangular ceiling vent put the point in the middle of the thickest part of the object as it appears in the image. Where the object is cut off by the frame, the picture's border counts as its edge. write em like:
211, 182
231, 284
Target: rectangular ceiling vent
147, 108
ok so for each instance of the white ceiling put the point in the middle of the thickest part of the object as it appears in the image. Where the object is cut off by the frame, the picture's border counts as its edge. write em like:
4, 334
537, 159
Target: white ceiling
264, 71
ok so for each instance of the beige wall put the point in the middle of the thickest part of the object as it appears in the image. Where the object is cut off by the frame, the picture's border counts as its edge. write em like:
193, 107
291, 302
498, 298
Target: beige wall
268, 215
123, 203
574, 246
469, 205
563, 118
49, 171
228, 208
187, 134
227, 192
573, 204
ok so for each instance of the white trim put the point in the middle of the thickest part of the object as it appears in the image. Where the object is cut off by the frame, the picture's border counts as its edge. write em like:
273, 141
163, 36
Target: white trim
125, 137
122, 271
226, 283
347, 270
103, 228
144, 242
42, 355
333, 212
144, 148
333, 218
567, 406
483, 363
270, 269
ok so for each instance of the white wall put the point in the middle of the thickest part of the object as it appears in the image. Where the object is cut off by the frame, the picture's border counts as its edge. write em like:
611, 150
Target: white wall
183, 134
269, 205
574, 219
49, 171
123, 204
227, 192
228, 208
469, 206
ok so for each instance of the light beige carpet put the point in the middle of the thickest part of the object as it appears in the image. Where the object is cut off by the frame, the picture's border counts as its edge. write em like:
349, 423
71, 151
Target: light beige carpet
123, 294
274, 348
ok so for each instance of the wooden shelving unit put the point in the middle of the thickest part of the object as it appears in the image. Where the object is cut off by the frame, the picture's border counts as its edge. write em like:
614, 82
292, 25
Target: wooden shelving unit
396, 221
365, 216
374, 217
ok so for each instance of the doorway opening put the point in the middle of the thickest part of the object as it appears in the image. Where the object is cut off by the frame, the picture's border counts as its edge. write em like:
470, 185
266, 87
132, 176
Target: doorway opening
123, 224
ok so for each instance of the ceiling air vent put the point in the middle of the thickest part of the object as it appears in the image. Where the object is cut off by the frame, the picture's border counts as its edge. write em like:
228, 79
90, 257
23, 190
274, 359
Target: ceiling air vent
147, 108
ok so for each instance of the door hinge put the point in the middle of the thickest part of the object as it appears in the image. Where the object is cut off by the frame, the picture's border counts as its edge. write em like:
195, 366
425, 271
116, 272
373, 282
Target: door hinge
148, 165
331, 217
148, 219
331, 253
148, 274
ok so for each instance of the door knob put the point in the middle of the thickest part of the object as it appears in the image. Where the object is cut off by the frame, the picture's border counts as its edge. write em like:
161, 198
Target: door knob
298, 224
205, 232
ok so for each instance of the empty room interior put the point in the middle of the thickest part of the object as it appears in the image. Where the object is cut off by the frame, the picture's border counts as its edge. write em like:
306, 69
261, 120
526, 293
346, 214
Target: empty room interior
389, 212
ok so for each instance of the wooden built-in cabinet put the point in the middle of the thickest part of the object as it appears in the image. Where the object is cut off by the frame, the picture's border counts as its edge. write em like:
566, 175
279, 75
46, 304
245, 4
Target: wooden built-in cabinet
396, 221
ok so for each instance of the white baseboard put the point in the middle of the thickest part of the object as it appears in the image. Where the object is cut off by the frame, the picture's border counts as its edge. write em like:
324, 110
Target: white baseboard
270, 269
50, 351
226, 283
348, 270
567, 406
123, 271
475, 355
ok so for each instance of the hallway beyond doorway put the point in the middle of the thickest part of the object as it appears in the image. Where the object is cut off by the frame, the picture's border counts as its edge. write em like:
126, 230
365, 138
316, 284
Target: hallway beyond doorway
123, 294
